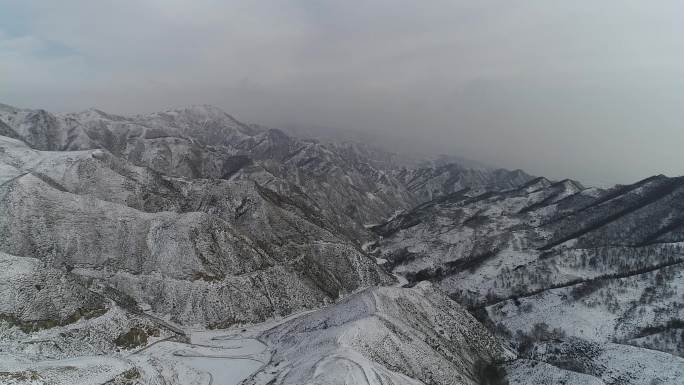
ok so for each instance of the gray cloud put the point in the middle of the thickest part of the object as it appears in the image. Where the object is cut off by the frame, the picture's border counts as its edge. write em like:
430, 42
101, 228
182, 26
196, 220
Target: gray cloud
584, 89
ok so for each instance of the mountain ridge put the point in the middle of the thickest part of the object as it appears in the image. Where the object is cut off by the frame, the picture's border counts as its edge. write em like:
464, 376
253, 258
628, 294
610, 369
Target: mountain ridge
145, 227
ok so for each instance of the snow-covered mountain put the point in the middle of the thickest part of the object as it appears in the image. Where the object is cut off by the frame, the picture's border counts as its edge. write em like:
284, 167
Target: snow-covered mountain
125, 239
583, 279
386, 336
350, 184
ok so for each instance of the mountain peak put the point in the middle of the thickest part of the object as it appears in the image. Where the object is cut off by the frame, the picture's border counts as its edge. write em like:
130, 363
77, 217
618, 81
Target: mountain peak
206, 110
93, 113
8, 108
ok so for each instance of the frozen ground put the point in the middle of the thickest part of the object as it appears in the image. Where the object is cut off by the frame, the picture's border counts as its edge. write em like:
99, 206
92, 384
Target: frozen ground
212, 357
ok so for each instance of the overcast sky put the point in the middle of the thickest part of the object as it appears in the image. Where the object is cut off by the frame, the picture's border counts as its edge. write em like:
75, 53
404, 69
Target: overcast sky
592, 90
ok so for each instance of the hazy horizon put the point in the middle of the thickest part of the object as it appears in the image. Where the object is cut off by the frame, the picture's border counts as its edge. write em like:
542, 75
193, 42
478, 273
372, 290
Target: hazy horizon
575, 90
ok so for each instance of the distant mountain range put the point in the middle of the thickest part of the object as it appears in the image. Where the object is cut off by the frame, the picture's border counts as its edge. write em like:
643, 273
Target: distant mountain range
116, 229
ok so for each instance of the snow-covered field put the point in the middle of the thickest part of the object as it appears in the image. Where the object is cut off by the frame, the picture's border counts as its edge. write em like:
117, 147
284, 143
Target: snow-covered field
212, 357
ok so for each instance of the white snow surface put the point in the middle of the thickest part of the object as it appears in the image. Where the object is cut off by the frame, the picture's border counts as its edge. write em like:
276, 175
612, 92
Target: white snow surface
378, 336
213, 357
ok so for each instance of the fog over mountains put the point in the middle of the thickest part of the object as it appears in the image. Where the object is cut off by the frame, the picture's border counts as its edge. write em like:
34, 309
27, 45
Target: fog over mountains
188, 247
560, 89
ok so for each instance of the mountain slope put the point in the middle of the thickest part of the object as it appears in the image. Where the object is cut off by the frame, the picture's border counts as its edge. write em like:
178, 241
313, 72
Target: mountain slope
351, 184
207, 219
555, 262
383, 336
208, 266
